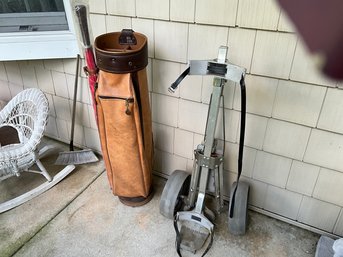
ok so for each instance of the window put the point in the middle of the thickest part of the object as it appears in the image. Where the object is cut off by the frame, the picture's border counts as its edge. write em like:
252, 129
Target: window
36, 29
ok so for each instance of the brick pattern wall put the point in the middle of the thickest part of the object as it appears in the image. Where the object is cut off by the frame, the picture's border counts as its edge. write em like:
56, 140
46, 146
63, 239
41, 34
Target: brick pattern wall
294, 137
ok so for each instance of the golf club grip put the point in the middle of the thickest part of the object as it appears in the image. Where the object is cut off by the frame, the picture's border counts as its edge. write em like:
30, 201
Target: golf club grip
81, 13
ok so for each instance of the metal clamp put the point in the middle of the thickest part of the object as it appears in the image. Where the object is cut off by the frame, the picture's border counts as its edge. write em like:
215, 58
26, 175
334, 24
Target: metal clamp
212, 162
219, 67
228, 71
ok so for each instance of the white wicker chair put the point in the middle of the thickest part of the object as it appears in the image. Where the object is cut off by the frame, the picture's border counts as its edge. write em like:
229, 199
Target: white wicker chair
27, 113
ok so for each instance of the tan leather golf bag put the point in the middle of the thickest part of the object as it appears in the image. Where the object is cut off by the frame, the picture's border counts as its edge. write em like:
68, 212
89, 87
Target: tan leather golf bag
124, 116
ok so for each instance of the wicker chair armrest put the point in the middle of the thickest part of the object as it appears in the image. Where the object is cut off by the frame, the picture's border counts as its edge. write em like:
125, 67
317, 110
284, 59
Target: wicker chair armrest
12, 151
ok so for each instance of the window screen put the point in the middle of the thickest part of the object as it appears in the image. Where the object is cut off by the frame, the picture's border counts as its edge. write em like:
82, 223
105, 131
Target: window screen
32, 15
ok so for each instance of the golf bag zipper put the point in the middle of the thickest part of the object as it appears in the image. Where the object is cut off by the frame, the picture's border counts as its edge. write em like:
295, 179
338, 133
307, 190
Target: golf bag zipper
127, 100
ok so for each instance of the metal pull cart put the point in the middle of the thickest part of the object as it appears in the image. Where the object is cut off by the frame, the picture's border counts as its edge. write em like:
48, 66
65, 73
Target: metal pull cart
183, 197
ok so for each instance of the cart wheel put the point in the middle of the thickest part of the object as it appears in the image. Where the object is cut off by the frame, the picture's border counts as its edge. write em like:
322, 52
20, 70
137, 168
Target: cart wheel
238, 223
174, 191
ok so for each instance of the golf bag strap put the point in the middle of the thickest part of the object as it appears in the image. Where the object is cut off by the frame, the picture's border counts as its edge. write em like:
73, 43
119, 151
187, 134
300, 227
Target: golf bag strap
241, 143
115, 56
88, 71
178, 240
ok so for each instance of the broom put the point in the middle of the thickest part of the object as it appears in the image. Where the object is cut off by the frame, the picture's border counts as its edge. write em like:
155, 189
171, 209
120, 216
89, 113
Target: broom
80, 156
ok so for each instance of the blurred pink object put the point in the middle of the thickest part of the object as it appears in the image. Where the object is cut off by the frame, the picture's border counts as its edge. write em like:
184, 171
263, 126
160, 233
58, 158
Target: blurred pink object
320, 24
91, 69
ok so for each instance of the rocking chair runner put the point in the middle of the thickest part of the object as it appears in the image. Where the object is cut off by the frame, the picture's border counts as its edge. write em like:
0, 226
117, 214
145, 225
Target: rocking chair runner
22, 123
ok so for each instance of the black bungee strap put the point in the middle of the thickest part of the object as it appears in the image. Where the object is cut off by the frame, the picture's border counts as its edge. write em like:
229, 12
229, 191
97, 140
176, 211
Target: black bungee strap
241, 142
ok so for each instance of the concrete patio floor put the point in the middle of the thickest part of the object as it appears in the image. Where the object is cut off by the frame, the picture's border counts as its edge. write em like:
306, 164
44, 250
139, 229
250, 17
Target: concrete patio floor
81, 217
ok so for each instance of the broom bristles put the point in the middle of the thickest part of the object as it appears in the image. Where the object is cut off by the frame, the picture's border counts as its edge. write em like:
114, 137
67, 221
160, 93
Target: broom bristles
76, 157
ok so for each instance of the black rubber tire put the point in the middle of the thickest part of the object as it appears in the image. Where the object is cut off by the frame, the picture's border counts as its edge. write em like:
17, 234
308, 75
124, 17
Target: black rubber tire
238, 223
175, 190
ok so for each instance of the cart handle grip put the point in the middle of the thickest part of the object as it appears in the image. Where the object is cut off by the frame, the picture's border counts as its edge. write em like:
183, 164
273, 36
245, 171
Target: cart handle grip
174, 86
